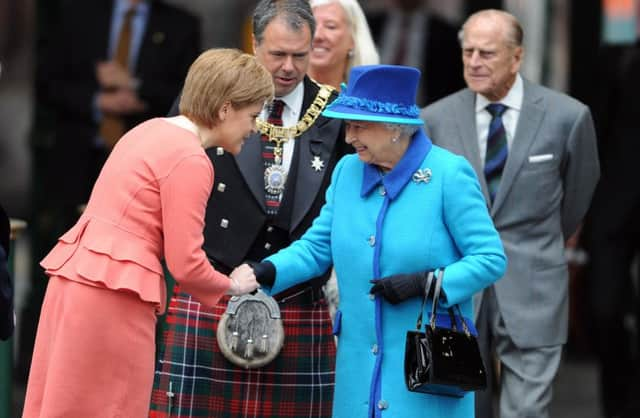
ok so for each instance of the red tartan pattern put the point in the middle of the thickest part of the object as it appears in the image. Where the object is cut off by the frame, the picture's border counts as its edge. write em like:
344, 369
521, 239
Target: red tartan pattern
298, 383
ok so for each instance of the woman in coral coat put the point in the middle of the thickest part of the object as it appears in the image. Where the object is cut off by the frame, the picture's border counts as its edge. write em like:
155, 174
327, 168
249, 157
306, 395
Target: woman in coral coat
399, 208
94, 351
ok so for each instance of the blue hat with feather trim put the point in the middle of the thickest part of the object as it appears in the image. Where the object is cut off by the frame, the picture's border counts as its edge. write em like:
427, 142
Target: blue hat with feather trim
379, 93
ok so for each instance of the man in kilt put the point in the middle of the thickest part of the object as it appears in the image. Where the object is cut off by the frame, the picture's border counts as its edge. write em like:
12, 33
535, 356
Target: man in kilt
250, 217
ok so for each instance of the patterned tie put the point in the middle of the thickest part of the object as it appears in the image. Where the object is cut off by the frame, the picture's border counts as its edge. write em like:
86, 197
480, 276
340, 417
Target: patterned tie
496, 155
268, 156
113, 127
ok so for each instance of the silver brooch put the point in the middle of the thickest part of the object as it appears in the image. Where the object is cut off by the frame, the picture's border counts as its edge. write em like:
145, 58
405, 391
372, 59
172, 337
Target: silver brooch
317, 164
422, 176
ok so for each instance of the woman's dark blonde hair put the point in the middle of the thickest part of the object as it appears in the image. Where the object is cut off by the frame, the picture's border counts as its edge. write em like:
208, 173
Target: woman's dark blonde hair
223, 75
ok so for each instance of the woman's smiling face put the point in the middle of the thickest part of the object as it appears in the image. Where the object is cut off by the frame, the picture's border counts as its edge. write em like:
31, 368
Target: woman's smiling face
332, 39
371, 140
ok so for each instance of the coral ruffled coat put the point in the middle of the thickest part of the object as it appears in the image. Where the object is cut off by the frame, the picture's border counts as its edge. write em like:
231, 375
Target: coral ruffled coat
147, 205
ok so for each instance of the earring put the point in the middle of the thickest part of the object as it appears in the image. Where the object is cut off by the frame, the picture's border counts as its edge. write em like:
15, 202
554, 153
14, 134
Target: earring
394, 139
350, 54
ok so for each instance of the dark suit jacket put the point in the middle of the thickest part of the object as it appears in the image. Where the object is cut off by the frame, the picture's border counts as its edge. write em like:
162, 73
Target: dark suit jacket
237, 226
170, 44
6, 289
442, 62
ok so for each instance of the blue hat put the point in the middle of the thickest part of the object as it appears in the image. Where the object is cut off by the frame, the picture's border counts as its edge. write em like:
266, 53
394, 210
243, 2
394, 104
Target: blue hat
379, 93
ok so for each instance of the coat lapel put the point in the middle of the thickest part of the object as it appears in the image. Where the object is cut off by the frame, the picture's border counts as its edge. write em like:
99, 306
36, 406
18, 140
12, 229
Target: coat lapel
531, 116
466, 121
250, 164
314, 142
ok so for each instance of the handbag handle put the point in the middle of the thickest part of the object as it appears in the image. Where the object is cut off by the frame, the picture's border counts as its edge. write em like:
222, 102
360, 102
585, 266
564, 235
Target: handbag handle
465, 328
436, 296
424, 299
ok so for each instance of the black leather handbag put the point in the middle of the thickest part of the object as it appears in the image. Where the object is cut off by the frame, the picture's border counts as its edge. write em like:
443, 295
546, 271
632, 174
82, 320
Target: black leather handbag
445, 359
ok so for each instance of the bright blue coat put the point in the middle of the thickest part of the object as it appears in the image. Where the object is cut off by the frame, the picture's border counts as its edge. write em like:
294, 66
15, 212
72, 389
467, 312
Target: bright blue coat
374, 226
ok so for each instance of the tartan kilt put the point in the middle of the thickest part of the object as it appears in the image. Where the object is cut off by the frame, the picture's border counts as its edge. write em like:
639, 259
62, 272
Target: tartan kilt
298, 383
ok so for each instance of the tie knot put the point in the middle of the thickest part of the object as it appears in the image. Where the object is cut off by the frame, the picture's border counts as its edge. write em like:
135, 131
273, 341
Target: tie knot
275, 109
496, 109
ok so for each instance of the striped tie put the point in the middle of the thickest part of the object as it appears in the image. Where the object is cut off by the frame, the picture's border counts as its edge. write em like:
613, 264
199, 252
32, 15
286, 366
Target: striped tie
268, 156
496, 155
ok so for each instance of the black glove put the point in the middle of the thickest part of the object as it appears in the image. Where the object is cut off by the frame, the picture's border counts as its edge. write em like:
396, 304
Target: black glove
265, 272
400, 287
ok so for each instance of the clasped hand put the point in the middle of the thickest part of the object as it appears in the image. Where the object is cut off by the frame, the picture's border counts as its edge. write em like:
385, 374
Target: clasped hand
112, 75
243, 280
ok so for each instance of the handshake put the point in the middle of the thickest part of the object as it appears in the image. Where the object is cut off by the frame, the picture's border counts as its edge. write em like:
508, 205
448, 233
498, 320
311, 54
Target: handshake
243, 280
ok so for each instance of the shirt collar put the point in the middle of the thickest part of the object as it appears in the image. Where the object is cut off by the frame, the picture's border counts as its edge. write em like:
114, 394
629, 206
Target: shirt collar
293, 100
399, 176
513, 99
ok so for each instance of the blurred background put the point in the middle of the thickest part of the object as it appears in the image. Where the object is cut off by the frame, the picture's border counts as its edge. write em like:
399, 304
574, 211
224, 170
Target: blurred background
582, 47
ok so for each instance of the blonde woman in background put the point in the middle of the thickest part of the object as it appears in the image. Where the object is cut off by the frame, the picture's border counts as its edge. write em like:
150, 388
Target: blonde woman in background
342, 40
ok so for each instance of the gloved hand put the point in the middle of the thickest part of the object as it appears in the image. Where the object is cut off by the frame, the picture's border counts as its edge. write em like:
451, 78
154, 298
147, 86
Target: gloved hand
265, 272
400, 287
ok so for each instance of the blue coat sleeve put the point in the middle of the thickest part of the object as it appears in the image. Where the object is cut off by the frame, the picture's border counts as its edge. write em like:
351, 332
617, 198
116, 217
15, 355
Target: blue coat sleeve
310, 256
466, 215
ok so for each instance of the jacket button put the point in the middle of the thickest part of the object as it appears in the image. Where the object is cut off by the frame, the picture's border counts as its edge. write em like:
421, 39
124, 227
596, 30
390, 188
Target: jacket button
269, 228
382, 404
221, 187
382, 191
224, 223
372, 240
219, 151
374, 349
267, 246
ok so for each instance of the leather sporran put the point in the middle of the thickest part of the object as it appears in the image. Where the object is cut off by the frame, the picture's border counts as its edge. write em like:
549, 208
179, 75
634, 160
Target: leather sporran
445, 359
250, 332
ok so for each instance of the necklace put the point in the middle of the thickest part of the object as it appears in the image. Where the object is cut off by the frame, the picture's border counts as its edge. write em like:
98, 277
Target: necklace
275, 176
280, 134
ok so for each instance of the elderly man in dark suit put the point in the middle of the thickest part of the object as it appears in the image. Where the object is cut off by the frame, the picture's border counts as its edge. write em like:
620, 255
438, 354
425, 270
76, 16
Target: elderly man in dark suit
534, 151
262, 200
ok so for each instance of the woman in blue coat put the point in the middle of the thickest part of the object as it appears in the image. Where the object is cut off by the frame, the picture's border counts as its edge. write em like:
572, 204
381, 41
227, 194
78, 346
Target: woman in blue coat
397, 209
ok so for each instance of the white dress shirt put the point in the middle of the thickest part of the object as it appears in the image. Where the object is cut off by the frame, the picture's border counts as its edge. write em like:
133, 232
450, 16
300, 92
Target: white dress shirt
513, 101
